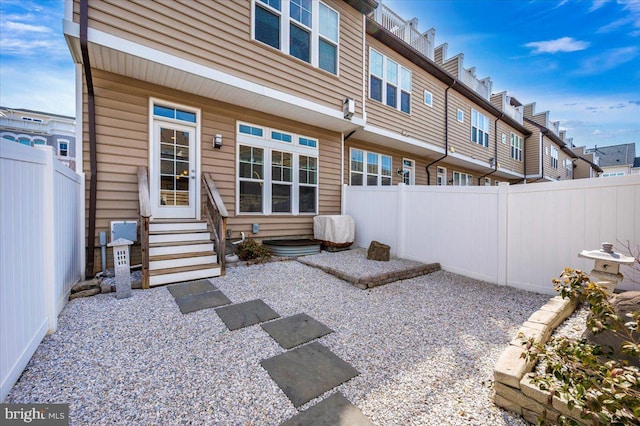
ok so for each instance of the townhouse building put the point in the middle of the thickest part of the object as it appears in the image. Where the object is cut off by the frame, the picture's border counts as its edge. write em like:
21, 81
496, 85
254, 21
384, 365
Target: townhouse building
587, 164
616, 160
269, 107
37, 128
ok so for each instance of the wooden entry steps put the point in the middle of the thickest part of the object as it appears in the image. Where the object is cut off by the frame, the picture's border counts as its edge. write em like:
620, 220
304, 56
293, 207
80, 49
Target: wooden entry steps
181, 251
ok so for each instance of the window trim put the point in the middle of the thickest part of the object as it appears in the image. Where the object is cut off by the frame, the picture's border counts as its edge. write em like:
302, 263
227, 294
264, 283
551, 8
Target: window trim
411, 169
482, 136
286, 21
468, 178
424, 98
268, 145
385, 82
443, 174
554, 157
516, 147
364, 168
460, 115
58, 142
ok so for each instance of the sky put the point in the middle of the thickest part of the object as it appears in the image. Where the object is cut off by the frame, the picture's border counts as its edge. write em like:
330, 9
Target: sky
578, 59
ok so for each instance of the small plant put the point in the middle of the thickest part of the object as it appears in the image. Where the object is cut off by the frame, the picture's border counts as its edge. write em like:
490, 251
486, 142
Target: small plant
250, 249
604, 389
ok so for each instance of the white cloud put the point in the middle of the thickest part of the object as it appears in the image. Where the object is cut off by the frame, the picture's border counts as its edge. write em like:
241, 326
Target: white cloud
563, 44
20, 27
608, 60
597, 4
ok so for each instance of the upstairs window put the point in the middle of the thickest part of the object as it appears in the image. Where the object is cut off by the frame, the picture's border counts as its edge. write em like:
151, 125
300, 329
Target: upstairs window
554, 157
428, 98
479, 128
305, 29
516, 147
63, 148
389, 82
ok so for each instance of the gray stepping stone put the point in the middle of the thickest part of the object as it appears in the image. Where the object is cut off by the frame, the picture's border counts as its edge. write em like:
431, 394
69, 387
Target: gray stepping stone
240, 315
307, 372
199, 301
295, 330
191, 287
333, 411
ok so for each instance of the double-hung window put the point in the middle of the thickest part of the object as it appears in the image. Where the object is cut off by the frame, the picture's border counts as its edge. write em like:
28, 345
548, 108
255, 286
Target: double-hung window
554, 157
63, 148
369, 168
389, 82
277, 172
462, 179
479, 128
516, 147
305, 29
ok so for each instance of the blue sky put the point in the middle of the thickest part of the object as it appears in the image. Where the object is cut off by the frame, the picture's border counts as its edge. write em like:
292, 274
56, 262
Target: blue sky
579, 59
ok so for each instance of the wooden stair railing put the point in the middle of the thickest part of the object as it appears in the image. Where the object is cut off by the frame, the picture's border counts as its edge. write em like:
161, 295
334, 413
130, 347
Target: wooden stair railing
216, 215
145, 214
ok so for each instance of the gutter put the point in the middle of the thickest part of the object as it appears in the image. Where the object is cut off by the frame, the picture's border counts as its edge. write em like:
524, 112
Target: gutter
495, 158
91, 235
446, 132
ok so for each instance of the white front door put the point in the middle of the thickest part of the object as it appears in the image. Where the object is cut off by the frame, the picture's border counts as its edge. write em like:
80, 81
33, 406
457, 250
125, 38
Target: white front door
174, 174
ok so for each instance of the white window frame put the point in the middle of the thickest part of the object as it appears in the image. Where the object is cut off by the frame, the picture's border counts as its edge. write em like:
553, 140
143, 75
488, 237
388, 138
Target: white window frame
364, 172
398, 84
285, 31
61, 141
268, 145
496, 182
460, 115
410, 169
441, 176
516, 147
554, 157
487, 181
43, 141
480, 128
428, 102
462, 179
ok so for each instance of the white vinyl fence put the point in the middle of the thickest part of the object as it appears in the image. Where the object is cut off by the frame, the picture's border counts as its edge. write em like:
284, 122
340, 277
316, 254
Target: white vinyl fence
520, 235
40, 250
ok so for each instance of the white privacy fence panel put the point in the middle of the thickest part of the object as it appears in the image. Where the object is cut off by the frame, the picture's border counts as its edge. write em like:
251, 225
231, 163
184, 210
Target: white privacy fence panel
521, 235
550, 223
39, 244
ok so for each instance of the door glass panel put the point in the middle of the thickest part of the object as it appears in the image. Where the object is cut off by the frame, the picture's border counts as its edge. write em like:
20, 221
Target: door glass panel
174, 167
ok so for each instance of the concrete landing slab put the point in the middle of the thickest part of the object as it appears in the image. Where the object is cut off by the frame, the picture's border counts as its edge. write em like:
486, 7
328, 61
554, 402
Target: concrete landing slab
295, 330
336, 410
199, 301
307, 372
240, 315
191, 287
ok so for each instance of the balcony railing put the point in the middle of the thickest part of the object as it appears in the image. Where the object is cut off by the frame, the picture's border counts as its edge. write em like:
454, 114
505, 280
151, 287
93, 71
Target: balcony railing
513, 112
554, 126
481, 87
405, 30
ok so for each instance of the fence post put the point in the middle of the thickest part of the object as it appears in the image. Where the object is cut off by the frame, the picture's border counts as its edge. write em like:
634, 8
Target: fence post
400, 220
48, 247
503, 222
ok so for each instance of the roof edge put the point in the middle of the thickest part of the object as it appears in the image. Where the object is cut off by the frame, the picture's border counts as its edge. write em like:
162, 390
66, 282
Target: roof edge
363, 6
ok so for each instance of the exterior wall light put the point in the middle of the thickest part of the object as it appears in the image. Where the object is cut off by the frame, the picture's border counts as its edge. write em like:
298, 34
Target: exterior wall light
217, 141
348, 108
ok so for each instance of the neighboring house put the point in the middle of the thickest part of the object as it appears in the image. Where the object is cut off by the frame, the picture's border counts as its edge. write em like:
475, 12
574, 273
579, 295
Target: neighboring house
586, 165
35, 128
616, 160
279, 103
635, 170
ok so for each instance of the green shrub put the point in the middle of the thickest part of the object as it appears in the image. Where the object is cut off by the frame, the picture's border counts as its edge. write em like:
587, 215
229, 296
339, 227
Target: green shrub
250, 249
604, 389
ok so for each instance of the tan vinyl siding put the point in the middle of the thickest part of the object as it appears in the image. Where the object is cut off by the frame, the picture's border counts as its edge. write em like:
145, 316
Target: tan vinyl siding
451, 66
424, 123
122, 119
217, 34
433, 171
532, 147
496, 100
460, 133
504, 149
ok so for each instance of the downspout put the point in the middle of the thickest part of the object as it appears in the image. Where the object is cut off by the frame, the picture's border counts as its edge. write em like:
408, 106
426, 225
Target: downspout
542, 133
495, 158
446, 132
524, 161
91, 235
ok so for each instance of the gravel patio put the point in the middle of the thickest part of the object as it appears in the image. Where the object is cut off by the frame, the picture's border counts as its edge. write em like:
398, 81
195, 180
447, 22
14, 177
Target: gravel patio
425, 349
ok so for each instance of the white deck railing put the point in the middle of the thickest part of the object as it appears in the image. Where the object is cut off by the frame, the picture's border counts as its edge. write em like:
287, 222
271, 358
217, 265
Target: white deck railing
405, 30
481, 87
41, 250
513, 112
